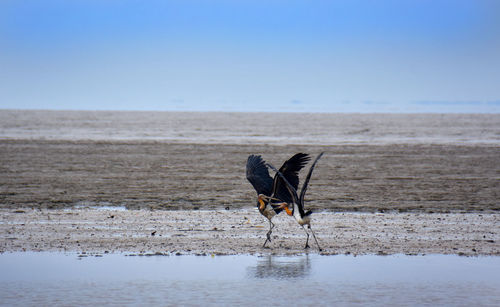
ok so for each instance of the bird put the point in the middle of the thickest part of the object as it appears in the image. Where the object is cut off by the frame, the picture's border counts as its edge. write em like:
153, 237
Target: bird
302, 217
272, 193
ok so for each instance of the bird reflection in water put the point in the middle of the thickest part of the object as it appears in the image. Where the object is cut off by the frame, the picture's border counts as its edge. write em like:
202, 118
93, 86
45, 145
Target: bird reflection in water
280, 267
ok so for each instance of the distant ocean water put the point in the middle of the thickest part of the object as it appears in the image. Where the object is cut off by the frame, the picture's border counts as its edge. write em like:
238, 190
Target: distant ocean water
251, 128
368, 106
296, 105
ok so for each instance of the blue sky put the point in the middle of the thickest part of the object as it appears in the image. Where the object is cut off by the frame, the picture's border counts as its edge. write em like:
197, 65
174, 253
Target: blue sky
319, 56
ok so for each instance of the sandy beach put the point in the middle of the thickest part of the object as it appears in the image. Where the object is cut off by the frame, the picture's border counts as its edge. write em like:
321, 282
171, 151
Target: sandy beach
387, 184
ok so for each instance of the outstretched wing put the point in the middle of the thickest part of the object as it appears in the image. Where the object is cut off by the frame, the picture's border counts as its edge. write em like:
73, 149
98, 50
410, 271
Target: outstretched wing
290, 170
304, 187
258, 175
291, 190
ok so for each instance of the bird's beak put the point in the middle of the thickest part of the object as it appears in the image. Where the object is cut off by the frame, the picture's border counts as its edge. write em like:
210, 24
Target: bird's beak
285, 206
262, 204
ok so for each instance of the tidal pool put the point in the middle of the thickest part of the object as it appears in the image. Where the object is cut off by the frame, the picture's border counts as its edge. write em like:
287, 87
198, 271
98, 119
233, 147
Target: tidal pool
116, 279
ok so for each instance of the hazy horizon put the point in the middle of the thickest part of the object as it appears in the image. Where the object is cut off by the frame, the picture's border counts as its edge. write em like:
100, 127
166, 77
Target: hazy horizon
346, 108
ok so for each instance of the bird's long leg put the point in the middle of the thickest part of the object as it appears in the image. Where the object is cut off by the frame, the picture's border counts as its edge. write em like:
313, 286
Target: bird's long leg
307, 241
314, 236
268, 235
265, 242
271, 226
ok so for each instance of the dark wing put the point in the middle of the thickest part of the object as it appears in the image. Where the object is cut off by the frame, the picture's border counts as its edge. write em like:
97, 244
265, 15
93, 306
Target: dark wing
290, 170
304, 186
289, 187
258, 175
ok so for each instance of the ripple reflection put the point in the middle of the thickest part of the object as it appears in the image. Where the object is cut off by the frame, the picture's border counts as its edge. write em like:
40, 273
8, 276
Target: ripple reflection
277, 267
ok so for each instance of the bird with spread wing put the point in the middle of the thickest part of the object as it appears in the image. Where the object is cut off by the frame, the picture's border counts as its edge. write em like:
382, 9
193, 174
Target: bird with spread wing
274, 194
301, 216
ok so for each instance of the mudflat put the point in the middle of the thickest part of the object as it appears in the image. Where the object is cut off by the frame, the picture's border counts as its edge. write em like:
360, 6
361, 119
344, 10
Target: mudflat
179, 170
158, 175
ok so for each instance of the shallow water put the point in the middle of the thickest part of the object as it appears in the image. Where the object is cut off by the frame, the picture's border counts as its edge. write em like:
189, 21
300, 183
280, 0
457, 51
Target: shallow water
115, 279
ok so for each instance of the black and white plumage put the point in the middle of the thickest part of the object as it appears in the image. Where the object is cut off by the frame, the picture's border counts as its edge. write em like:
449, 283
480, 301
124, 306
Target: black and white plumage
272, 193
301, 216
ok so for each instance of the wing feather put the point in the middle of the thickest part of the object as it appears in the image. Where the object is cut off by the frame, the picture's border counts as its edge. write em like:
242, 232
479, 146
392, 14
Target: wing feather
290, 170
304, 187
258, 175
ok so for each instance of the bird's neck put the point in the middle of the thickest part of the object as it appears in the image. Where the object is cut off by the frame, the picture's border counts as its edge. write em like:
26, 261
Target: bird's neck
297, 212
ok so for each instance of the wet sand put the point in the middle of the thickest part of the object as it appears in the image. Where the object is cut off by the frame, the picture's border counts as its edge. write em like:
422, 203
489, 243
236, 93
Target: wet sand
158, 175
439, 175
